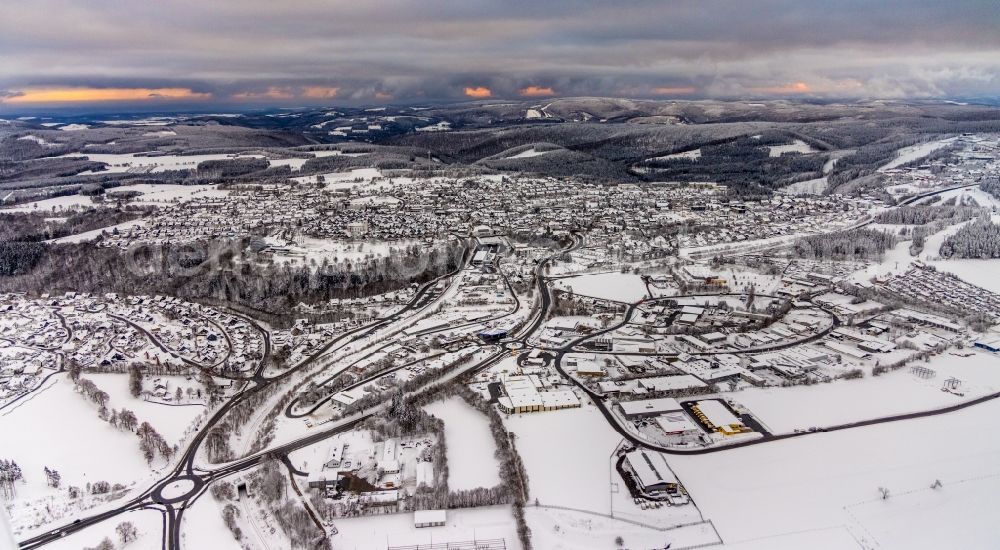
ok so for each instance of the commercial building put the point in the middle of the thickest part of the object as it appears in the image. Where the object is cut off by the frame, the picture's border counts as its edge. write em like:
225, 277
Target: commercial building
699, 275
677, 425
927, 319
322, 480
522, 395
717, 417
647, 408
714, 337
493, 334
991, 344
670, 383
846, 350
586, 367
650, 472
388, 463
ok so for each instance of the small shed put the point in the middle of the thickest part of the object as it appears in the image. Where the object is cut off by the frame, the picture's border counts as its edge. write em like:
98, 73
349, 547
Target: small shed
429, 518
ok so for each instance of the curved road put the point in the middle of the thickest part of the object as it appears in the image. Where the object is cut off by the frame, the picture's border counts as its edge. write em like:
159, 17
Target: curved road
173, 506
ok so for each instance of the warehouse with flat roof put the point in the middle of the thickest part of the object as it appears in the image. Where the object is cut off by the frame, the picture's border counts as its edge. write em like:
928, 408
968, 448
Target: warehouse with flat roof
523, 395
646, 408
650, 471
717, 417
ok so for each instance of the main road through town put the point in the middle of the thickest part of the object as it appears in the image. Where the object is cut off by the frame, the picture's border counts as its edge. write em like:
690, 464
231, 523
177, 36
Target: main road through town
176, 491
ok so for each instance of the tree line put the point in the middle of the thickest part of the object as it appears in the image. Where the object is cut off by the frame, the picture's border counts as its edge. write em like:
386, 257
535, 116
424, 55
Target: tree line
194, 274
979, 239
920, 215
855, 244
151, 443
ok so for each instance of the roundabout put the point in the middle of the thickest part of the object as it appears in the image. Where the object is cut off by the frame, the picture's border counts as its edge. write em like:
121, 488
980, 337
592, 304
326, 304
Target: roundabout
178, 489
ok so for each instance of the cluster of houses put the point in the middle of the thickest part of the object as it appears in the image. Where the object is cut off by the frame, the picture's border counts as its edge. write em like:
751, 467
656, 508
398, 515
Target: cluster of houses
731, 221
921, 282
110, 333
978, 155
193, 332
630, 220
30, 338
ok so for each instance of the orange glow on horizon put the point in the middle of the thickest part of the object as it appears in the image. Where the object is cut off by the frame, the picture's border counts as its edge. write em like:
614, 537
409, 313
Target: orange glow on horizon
85, 95
383, 96
478, 92
320, 92
537, 91
793, 88
674, 90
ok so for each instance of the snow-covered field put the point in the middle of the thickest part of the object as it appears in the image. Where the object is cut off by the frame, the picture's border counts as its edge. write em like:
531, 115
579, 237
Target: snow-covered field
809, 187
567, 455
818, 185
94, 233
360, 177
835, 538
117, 163
957, 507
822, 481
981, 197
172, 421
554, 529
785, 409
978, 272
377, 532
38, 140
914, 152
471, 460
296, 163
202, 526
797, 146
442, 126
151, 194
59, 429
898, 259
169, 193
77, 443
55, 203
148, 523
692, 155
624, 287
528, 154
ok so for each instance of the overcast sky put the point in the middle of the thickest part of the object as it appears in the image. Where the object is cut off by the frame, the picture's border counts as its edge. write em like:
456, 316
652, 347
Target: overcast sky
296, 52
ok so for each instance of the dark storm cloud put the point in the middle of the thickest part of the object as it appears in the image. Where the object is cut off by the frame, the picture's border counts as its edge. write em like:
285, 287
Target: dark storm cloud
317, 50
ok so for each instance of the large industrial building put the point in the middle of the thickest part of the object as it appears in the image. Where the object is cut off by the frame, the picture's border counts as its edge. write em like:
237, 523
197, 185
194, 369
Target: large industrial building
717, 417
650, 472
648, 408
523, 394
